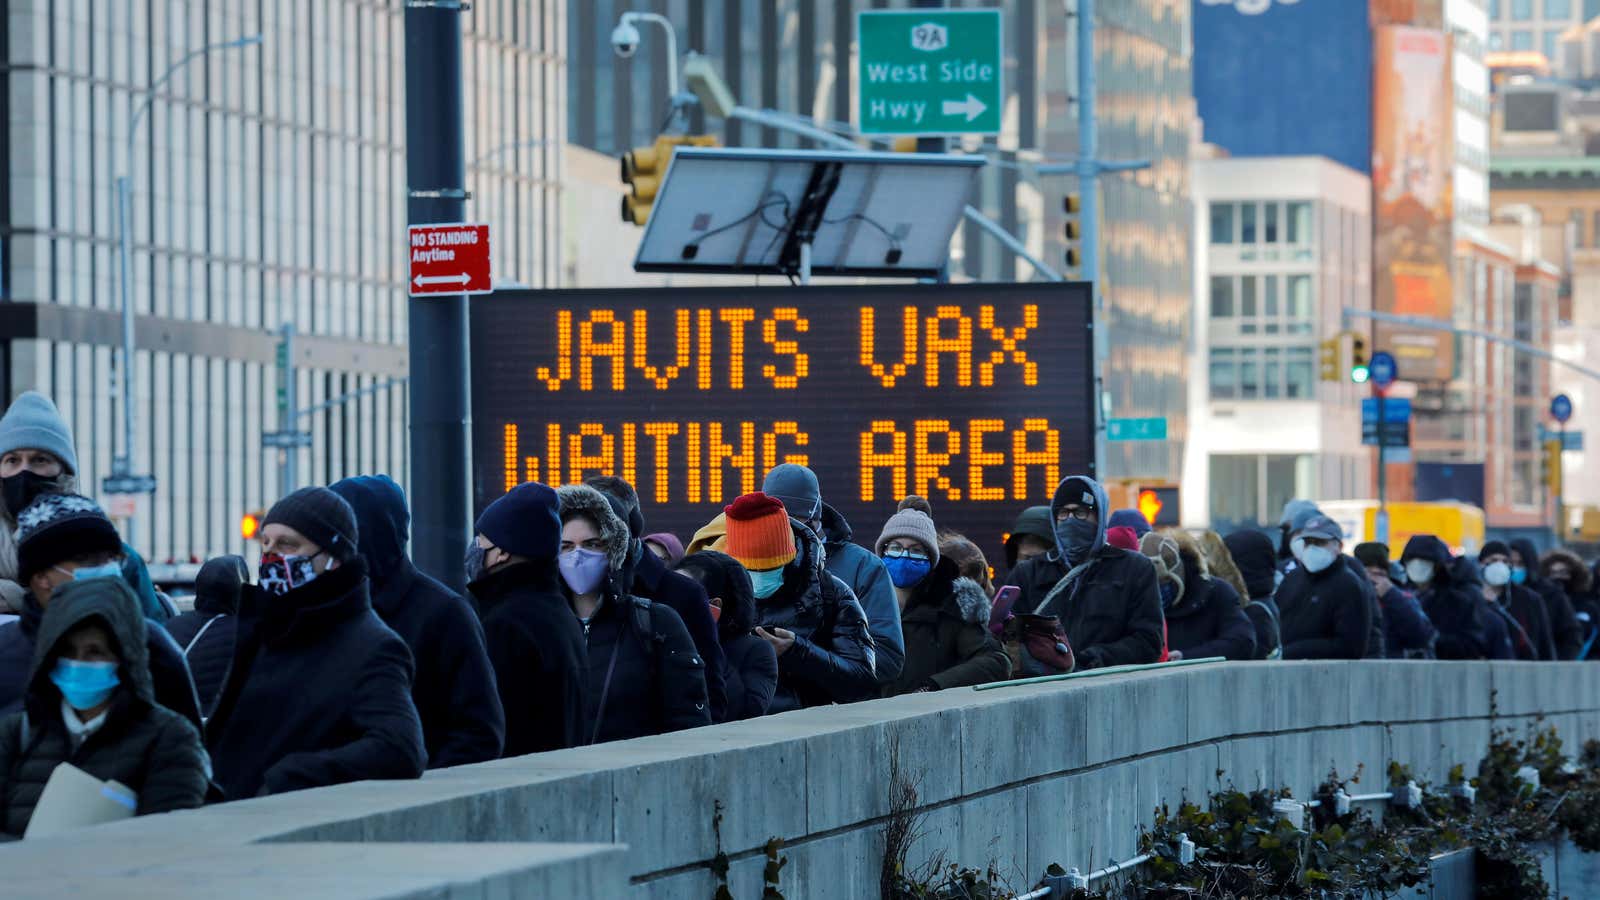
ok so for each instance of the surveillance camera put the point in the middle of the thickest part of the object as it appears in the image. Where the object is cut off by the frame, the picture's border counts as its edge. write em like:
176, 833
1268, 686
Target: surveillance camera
625, 39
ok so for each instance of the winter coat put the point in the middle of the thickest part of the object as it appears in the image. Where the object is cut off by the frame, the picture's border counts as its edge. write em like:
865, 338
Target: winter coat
1111, 609
1467, 628
454, 688
535, 645
752, 664
653, 581
1207, 619
1256, 560
1578, 589
1565, 630
137, 574
151, 750
644, 674
319, 692
834, 656
1407, 633
1529, 627
1376, 648
206, 633
1325, 615
863, 572
948, 643
169, 674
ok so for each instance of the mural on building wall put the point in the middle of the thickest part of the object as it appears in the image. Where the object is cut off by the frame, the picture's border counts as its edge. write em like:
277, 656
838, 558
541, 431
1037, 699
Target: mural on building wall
1413, 154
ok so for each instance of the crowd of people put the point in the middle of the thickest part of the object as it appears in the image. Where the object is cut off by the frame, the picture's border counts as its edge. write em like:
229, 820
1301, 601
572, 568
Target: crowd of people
341, 661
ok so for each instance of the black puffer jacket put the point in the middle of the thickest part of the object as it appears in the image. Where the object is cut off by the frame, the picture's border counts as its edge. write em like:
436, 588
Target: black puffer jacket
653, 581
1468, 629
1326, 615
752, 672
536, 647
319, 693
150, 749
645, 676
863, 571
948, 643
1565, 629
1256, 558
1207, 620
1111, 610
833, 658
1529, 627
206, 633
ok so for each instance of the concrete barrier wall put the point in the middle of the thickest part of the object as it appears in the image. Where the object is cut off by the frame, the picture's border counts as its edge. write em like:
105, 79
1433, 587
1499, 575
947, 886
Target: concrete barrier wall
1017, 778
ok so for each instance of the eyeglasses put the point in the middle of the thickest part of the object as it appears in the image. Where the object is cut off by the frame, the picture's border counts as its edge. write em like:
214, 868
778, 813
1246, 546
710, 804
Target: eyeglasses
903, 553
1081, 513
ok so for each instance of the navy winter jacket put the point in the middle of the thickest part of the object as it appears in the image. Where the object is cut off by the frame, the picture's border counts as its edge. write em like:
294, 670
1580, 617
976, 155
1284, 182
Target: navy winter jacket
1407, 633
862, 571
1325, 615
653, 581
1467, 627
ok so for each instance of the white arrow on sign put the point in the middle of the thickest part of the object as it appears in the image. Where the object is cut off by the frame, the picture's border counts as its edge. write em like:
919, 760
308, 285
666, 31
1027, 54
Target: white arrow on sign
423, 280
972, 107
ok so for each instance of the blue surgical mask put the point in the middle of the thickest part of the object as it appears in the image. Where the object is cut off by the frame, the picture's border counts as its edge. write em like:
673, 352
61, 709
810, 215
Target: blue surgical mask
907, 571
1519, 574
765, 584
85, 685
84, 573
1077, 537
583, 569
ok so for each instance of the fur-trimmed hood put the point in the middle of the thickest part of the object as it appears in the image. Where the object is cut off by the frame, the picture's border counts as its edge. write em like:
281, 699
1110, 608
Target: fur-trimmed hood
970, 600
1582, 579
582, 500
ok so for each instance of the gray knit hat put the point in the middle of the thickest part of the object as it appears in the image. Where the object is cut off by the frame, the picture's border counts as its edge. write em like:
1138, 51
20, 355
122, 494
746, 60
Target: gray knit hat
325, 518
34, 423
911, 524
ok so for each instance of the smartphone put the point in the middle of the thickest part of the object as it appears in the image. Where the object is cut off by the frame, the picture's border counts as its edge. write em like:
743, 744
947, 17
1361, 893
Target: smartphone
1000, 609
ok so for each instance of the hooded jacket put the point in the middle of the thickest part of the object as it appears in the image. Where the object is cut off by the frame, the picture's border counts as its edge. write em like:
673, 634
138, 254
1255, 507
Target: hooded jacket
1033, 522
1468, 629
863, 571
1529, 623
206, 633
948, 644
1565, 629
1256, 560
150, 749
1579, 586
752, 665
833, 656
644, 674
1111, 607
319, 692
454, 688
1207, 620
1327, 614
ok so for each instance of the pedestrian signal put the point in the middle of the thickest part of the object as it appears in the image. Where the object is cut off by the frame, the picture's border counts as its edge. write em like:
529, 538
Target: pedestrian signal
1159, 505
250, 524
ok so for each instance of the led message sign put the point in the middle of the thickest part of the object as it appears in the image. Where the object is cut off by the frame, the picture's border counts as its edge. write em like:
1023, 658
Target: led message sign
978, 397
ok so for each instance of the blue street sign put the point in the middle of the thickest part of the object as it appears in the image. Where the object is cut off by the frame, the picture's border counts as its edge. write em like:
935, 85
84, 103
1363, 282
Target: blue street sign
1136, 429
1561, 408
1382, 369
1394, 410
128, 484
1570, 440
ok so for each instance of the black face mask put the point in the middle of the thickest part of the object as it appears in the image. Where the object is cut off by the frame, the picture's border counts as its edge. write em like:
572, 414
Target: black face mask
20, 489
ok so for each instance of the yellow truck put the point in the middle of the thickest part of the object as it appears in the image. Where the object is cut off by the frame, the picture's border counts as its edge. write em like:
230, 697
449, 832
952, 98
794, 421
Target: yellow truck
1460, 525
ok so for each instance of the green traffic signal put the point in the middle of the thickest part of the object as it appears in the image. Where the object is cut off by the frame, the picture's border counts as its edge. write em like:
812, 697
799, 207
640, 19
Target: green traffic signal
1359, 374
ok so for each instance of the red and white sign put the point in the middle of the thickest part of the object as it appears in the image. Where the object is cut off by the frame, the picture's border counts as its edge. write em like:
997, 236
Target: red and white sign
449, 258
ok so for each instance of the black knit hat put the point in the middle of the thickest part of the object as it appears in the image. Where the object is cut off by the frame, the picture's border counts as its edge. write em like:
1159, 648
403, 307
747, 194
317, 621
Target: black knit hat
1493, 548
1372, 554
58, 527
526, 522
322, 516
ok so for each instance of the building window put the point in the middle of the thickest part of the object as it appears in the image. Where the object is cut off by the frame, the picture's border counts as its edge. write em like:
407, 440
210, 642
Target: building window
1497, 41
1222, 223
1223, 372
1221, 296
1521, 10
1299, 223
1271, 229
1594, 236
1551, 38
1261, 304
1247, 305
1261, 373
1494, 9
1297, 374
1298, 304
1247, 223
1521, 40
1591, 8
1558, 9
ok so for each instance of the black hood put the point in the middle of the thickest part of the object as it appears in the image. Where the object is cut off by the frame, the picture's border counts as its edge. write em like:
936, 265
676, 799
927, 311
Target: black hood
722, 576
382, 520
112, 601
1429, 547
1530, 556
1035, 521
217, 587
1256, 558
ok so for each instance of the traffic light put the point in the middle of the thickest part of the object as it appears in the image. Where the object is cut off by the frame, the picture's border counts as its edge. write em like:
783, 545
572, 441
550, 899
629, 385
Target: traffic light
1073, 229
1330, 359
643, 168
1358, 359
1552, 466
250, 524
1159, 505
904, 145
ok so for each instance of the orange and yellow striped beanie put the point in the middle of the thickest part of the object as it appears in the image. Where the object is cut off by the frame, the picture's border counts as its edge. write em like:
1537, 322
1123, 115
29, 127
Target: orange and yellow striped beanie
759, 536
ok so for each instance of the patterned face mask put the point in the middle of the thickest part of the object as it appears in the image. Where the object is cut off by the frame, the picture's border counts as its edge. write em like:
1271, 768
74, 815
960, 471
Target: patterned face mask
281, 574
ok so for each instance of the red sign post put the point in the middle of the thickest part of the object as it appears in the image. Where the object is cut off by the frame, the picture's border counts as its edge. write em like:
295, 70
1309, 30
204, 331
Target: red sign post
449, 258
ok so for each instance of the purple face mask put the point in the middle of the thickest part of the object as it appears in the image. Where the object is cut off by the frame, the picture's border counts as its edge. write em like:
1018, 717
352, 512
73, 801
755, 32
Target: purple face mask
583, 570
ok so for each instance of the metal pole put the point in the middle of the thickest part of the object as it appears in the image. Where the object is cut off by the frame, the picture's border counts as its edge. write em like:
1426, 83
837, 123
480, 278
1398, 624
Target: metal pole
123, 464
1382, 530
441, 411
1088, 166
288, 469
1561, 483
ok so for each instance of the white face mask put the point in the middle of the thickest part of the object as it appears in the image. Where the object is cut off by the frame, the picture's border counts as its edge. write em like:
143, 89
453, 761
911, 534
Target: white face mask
1497, 574
1297, 549
1419, 571
1317, 558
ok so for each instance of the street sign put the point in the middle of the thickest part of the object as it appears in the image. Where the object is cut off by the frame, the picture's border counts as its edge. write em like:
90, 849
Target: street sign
128, 484
1561, 408
1570, 440
450, 258
1136, 429
286, 439
1394, 410
1382, 369
930, 71
1396, 424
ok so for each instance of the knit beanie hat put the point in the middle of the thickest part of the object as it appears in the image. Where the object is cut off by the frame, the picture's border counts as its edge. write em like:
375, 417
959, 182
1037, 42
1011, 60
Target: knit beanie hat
668, 542
1130, 518
322, 516
1493, 548
33, 422
526, 522
759, 536
796, 486
1123, 537
911, 525
59, 527
1372, 555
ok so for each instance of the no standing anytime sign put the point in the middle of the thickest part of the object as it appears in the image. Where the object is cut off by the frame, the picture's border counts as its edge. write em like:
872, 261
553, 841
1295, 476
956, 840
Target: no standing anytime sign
450, 258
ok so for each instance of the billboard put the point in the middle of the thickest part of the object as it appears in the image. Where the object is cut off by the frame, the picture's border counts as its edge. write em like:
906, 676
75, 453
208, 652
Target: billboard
1285, 79
978, 397
1413, 159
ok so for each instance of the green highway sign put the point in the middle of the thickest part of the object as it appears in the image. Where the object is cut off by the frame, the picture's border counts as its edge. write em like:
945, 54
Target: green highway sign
930, 71
1136, 429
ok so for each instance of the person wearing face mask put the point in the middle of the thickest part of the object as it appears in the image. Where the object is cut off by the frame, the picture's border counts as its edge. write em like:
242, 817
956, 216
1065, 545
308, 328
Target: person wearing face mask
752, 663
206, 633
1565, 572
644, 674
1105, 597
1521, 609
319, 692
1407, 633
1256, 559
1326, 613
1565, 629
63, 538
1032, 534
796, 487
37, 456
532, 639
1204, 614
811, 618
1468, 629
90, 703
944, 615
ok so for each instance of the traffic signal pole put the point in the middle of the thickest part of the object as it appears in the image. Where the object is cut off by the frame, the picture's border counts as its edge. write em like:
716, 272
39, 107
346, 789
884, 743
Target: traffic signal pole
441, 412
1381, 529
